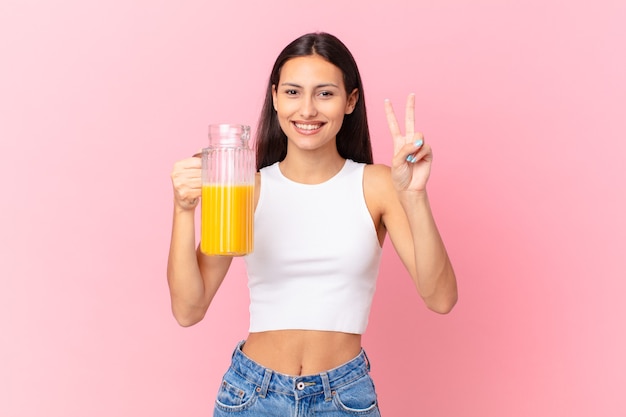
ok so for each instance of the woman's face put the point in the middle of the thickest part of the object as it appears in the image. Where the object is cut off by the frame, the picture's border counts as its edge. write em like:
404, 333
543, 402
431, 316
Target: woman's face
311, 101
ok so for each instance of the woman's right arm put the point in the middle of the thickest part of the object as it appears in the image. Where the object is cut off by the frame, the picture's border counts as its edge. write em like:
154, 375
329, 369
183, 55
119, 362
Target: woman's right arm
193, 277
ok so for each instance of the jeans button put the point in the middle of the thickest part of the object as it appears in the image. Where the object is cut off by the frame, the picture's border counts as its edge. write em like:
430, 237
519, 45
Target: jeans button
300, 385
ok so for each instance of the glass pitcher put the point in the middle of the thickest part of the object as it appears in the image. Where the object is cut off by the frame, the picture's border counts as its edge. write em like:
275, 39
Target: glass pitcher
228, 173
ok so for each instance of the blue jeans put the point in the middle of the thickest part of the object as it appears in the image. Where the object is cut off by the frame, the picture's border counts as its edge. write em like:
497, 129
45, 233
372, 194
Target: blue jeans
249, 389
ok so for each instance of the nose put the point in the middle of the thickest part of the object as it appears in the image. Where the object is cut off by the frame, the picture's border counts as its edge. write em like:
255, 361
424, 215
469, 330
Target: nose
307, 108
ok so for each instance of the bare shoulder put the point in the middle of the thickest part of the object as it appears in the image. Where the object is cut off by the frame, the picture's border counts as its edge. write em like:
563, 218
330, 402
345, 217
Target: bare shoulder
377, 170
377, 187
377, 178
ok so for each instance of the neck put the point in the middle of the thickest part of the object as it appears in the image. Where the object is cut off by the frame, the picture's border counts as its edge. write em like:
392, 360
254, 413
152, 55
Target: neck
311, 169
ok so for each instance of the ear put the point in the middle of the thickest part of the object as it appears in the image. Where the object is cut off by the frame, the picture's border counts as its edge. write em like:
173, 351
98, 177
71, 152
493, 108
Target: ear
274, 96
353, 98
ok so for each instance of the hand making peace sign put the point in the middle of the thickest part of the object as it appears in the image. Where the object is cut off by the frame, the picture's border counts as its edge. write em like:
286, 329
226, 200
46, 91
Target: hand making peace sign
410, 166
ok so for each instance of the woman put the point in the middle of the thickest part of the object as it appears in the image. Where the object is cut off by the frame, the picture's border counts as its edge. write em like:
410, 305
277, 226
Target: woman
322, 211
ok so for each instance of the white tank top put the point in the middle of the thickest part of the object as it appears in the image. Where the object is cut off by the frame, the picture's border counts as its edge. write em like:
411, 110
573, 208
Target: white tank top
316, 254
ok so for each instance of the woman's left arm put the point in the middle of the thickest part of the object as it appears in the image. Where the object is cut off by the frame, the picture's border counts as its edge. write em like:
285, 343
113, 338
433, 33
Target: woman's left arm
408, 217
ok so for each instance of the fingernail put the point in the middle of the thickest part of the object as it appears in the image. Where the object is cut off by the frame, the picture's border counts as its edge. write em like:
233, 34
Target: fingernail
411, 159
418, 143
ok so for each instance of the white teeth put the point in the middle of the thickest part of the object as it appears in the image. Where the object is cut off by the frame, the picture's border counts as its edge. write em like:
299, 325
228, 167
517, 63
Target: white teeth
307, 127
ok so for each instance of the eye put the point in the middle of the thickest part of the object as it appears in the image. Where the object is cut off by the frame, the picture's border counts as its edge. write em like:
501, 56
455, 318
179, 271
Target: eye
326, 94
291, 92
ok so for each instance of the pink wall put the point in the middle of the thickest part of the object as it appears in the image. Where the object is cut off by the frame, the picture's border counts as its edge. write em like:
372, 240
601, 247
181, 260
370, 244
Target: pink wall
523, 103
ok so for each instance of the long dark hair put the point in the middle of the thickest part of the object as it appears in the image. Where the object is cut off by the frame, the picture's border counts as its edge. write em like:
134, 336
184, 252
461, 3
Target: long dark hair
353, 139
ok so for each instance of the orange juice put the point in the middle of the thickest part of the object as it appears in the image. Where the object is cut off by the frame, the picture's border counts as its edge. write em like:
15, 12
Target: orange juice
227, 219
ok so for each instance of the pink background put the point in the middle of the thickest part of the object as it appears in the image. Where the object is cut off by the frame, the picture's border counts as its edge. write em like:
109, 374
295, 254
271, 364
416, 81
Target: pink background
523, 103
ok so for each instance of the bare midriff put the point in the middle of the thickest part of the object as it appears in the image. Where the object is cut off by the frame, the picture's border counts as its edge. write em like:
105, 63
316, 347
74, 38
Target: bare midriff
302, 352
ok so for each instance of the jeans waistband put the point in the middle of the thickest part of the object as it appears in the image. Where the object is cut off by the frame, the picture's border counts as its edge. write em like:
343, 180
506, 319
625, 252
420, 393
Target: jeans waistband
301, 386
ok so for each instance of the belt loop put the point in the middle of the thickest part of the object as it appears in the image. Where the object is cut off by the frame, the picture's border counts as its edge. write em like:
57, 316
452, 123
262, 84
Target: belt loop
367, 361
238, 348
326, 384
266, 383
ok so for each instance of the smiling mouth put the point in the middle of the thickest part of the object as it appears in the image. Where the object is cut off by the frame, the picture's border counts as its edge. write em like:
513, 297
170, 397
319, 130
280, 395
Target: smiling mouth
308, 126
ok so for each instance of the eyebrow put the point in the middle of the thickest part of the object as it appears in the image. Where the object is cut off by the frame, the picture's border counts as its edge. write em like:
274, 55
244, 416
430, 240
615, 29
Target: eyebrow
317, 86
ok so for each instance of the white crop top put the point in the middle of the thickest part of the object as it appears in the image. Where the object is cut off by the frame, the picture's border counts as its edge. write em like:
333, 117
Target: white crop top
316, 254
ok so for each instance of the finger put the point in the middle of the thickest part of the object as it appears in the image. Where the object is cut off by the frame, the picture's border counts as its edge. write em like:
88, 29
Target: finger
187, 187
409, 117
392, 122
186, 180
187, 169
194, 162
410, 150
423, 154
189, 163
